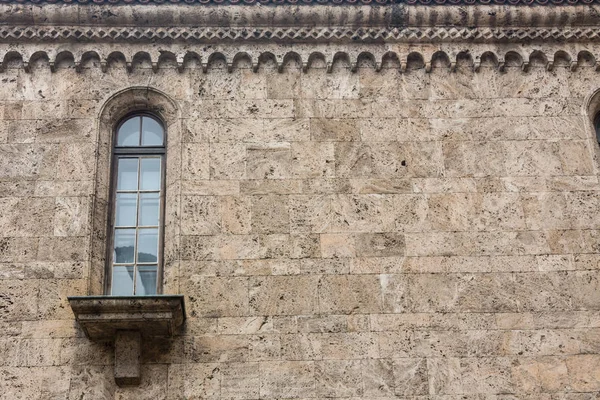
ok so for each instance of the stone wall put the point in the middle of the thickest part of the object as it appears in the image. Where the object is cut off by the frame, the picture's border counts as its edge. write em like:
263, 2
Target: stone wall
364, 235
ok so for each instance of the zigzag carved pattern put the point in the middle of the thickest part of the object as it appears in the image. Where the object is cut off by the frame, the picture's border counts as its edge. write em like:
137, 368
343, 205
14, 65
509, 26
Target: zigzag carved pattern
301, 34
308, 2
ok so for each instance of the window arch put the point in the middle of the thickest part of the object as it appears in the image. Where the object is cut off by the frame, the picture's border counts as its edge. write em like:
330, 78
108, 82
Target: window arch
116, 110
136, 228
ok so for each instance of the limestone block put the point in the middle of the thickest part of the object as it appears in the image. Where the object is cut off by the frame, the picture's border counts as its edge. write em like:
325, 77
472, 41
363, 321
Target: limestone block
283, 295
286, 130
82, 108
270, 214
546, 211
35, 382
15, 306
372, 160
286, 85
269, 161
76, 161
23, 217
339, 245
217, 296
310, 213
379, 245
483, 243
240, 381
200, 130
326, 265
18, 249
312, 160
398, 129
538, 158
211, 188
324, 129
341, 378
31, 352
235, 212
238, 130
71, 216
200, 215
44, 109
351, 345
227, 161
345, 294
264, 347
208, 349
245, 325
195, 161
378, 265
194, 380
20, 131
302, 347
581, 206
91, 382
49, 188
553, 374
568, 183
63, 249
467, 159
279, 378
28, 161
377, 186
270, 186
63, 130
378, 378
410, 376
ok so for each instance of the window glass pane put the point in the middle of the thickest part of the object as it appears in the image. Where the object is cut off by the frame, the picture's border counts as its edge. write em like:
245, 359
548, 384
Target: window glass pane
124, 246
122, 281
145, 283
152, 132
127, 174
150, 174
126, 209
147, 245
149, 209
129, 133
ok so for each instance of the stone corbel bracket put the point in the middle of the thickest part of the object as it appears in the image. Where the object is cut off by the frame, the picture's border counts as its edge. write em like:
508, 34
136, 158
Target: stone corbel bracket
126, 320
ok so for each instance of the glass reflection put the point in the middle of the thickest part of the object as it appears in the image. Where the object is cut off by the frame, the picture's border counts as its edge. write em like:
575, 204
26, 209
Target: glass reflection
147, 246
152, 132
126, 209
149, 209
129, 133
150, 174
124, 246
122, 281
128, 174
145, 283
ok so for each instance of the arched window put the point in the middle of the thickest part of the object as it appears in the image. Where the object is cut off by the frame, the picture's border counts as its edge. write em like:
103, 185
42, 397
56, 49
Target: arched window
137, 207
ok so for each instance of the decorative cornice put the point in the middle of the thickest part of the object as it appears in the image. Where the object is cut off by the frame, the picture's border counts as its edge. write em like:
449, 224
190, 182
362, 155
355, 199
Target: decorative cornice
376, 57
13, 34
309, 2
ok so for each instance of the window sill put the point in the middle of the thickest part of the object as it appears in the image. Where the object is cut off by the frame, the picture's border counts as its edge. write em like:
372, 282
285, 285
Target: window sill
101, 317
126, 320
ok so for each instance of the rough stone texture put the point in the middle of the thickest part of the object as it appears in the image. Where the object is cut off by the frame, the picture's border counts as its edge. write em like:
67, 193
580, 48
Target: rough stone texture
424, 231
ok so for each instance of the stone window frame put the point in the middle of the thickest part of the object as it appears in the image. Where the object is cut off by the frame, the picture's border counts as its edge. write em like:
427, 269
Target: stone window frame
124, 103
138, 152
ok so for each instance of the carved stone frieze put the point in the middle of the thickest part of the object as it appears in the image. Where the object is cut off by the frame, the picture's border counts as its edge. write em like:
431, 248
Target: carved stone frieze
308, 34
